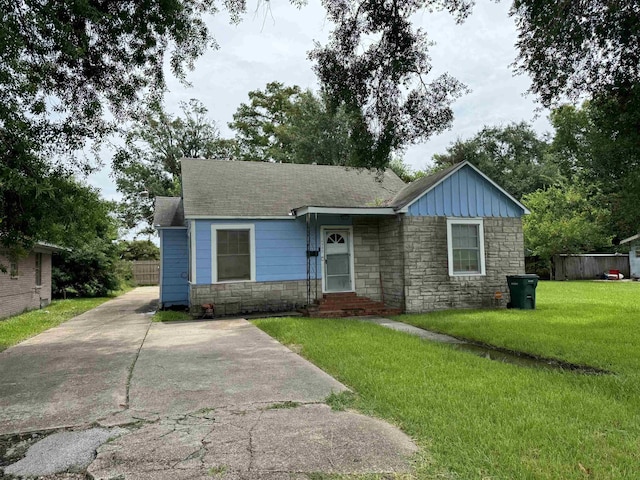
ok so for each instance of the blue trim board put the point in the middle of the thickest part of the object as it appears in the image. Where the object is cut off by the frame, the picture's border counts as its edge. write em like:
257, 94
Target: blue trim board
465, 193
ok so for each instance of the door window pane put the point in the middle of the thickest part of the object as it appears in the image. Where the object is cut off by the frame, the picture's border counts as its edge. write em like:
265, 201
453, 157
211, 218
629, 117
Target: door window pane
338, 264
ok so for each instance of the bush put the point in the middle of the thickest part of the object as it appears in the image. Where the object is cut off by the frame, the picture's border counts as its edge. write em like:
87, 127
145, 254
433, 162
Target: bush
93, 270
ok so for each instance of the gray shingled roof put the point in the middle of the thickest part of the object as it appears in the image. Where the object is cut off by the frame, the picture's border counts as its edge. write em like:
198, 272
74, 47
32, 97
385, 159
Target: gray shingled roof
242, 189
168, 212
418, 187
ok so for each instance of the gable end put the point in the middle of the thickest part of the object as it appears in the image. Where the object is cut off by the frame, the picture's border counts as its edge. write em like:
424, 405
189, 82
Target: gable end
465, 193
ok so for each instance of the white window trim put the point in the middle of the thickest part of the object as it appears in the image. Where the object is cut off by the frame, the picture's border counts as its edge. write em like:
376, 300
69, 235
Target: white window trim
348, 228
214, 249
466, 221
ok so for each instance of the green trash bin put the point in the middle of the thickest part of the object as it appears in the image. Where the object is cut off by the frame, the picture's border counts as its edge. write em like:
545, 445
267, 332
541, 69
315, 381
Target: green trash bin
522, 289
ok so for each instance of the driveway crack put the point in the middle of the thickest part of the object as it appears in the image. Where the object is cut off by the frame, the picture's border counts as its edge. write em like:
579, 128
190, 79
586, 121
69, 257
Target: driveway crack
133, 365
251, 446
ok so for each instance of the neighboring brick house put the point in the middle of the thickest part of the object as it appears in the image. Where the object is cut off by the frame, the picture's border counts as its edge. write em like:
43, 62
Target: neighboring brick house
256, 236
27, 283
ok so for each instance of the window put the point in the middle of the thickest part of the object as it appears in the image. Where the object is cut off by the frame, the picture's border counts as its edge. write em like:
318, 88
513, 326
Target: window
38, 269
13, 269
465, 241
233, 253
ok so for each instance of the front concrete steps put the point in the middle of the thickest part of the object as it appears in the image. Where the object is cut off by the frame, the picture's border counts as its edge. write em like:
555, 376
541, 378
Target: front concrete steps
349, 304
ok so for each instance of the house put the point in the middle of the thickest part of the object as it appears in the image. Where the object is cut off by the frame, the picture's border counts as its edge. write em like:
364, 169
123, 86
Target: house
634, 255
254, 236
26, 285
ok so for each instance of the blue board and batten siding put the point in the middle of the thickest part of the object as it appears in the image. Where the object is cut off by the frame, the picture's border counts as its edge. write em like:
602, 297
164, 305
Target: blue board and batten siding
175, 267
465, 193
281, 247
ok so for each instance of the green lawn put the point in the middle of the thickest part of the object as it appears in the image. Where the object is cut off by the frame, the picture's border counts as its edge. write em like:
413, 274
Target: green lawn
20, 327
170, 316
478, 419
590, 323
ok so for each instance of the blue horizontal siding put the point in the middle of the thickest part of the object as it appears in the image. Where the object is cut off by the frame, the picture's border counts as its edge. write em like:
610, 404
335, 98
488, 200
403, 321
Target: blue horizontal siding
465, 194
281, 246
175, 267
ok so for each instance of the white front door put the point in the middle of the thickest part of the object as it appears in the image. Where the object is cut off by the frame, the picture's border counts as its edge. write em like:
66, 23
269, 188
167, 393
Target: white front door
337, 260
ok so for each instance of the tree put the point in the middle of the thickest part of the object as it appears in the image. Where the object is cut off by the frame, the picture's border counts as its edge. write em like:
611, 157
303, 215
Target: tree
263, 125
513, 156
89, 265
376, 66
599, 145
148, 164
138, 250
576, 48
287, 124
404, 171
62, 66
565, 219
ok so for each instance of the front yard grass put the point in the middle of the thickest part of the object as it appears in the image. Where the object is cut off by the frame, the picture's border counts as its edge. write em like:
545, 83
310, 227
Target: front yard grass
170, 316
479, 419
15, 329
587, 323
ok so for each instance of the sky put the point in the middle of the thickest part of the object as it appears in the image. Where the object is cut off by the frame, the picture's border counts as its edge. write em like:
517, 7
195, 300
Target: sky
271, 44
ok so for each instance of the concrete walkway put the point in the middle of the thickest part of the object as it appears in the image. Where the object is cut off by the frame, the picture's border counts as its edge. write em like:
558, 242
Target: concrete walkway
195, 399
410, 329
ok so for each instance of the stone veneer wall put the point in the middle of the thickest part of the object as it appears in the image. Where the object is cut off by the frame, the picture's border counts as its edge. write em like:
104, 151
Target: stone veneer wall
391, 264
428, 285
247, 297
366, 254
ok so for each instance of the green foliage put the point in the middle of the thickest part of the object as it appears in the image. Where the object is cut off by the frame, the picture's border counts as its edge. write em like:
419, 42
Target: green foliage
404, 171
90, 266
149, 160
63, 66
376, 65
171, 316
91, 270
289, 125
138, 250
565, 220
599, 144
513, 156
571, 49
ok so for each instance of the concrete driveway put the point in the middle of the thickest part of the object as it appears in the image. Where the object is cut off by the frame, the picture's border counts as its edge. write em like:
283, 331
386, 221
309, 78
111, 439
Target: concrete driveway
194, 398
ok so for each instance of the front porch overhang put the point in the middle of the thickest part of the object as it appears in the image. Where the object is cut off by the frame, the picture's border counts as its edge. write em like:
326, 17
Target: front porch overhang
302, 211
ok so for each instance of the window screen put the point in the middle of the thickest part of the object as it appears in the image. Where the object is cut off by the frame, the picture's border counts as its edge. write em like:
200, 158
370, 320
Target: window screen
233, 255
465, 241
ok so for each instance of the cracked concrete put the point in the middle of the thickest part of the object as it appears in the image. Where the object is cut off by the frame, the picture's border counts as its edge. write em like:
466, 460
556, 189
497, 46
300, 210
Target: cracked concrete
195, 397
257, 443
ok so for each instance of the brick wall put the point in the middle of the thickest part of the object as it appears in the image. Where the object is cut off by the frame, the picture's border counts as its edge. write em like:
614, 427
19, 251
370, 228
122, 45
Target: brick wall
366, 258
247, 297
20, 294
428, 285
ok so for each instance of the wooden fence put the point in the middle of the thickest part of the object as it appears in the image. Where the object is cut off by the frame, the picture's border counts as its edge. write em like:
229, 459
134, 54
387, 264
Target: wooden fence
146, 272
589, 266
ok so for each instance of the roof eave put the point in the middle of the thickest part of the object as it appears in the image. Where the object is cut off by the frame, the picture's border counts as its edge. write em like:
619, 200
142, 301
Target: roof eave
304, 210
